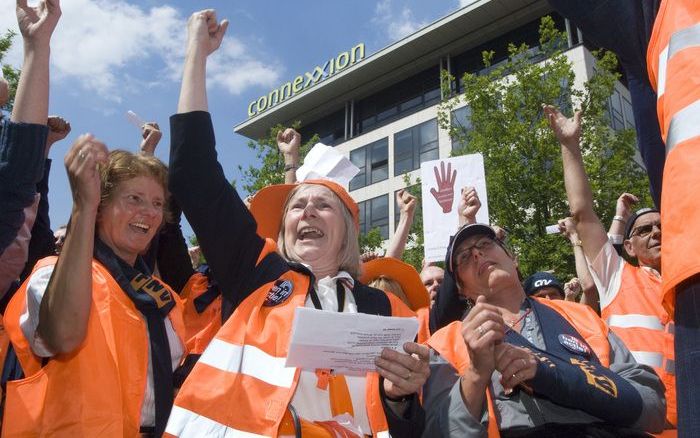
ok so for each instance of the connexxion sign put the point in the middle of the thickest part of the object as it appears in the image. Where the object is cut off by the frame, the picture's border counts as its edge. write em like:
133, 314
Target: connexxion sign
301, 83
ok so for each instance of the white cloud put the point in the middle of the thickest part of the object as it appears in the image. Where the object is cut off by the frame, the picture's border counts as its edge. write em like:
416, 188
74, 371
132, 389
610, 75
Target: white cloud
112, 47
396, 24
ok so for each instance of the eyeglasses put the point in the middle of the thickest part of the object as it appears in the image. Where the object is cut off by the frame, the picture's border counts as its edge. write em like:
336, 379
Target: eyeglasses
645, 230
464, 257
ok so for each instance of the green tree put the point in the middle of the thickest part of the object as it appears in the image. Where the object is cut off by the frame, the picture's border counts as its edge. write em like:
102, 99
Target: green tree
11, 75
522, 158
371, 241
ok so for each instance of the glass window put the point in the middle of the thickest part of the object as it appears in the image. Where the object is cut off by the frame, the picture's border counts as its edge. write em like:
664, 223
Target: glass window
330, 129
373, 162
374, 213
398, 100
628, 112
462, 123
379, 161
415, 145
617, 121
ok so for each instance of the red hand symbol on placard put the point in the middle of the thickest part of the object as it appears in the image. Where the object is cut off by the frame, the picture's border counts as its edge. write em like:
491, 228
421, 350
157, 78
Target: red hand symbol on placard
445, 193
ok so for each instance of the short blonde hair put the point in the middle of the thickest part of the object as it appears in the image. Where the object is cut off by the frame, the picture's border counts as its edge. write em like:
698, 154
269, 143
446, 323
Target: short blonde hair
392, 286
122, 166
349, 257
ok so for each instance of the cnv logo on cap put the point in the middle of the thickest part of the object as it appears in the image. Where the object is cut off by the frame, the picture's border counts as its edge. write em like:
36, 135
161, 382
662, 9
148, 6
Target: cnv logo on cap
278, 293
575, 345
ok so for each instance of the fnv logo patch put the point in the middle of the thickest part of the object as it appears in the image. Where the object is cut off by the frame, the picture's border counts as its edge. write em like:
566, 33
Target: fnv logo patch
574, 345
278, 293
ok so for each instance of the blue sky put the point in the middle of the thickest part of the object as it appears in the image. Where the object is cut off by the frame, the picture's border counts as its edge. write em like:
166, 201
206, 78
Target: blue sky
111, 56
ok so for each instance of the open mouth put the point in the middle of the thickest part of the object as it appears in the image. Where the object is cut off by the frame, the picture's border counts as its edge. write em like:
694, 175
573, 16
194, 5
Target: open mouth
140, 227
309, 233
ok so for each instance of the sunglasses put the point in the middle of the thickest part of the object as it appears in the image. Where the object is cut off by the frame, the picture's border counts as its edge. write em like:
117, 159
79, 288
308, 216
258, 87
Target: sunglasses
645, 230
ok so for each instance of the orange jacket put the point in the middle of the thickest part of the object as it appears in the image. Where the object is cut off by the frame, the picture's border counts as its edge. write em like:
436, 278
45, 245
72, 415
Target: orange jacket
200, 328
449, 343
240, 384
673, 62
98, 389
638, 318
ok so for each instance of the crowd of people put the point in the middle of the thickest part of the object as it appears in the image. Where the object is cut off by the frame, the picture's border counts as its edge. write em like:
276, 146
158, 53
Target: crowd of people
112, 326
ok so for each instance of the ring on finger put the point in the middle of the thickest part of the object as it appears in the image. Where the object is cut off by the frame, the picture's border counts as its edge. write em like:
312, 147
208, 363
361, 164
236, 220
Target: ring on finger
515, 375
81, 155
409, 375
480, 329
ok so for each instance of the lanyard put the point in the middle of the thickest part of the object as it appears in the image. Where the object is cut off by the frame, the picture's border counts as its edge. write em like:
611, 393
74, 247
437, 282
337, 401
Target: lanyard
340, 291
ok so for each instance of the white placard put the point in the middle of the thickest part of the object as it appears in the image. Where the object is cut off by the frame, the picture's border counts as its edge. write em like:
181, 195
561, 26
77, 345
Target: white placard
347, 343
442, 182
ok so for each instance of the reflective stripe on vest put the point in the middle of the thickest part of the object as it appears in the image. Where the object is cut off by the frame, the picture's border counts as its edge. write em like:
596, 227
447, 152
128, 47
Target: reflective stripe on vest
248, 360
635, 320
650, 358
240, 386
183, 422
684, 125
682, 39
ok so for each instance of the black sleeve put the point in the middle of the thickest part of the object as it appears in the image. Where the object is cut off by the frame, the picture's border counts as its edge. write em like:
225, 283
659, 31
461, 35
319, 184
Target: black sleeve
411, 424
449, 305
21, 168
173, 259
224, 227
42, 243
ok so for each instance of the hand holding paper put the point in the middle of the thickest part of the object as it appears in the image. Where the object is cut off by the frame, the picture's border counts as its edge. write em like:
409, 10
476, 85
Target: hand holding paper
347, 343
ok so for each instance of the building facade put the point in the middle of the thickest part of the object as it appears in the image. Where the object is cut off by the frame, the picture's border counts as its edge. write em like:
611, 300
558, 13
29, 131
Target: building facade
381, 111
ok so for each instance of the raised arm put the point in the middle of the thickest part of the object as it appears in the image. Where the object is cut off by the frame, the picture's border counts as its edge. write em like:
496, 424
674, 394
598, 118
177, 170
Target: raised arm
578, 189
224, 227
289, 142
43, 242
204, 37
407, 205
589, 296
65, 306
36, 24
151, 134
623, 210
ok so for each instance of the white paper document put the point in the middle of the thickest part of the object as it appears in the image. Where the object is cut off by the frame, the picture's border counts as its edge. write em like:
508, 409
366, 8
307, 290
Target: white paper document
324, 162
347, 343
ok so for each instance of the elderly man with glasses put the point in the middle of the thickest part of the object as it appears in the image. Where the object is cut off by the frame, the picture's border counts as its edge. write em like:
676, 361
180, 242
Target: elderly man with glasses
630, 296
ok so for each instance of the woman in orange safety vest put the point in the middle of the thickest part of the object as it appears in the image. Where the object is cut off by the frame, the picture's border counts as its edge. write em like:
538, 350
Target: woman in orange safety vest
98, 336
240, 385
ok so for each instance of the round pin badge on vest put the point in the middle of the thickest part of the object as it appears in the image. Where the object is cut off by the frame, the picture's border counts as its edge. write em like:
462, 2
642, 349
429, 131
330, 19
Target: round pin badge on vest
278, 293
575, 345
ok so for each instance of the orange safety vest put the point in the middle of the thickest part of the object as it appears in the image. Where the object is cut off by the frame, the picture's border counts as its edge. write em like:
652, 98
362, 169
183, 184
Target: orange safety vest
240, 385
449, 343
638, 318
423, 315
200, 328
96, 390
673, 62
4, 344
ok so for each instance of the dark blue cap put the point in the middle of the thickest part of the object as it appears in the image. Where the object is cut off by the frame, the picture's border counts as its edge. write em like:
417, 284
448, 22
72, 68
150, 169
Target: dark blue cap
540, 280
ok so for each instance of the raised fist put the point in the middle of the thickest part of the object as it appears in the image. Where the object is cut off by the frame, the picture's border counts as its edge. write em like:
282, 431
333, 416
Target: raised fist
151, 134
59, 129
